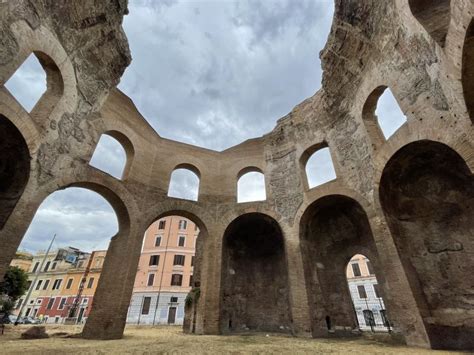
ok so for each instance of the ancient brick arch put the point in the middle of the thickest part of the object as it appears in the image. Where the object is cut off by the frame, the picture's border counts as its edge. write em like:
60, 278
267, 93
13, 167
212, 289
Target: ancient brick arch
371, 43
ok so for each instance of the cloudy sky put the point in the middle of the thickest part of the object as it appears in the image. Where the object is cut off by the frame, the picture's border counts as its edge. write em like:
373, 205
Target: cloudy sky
208, 73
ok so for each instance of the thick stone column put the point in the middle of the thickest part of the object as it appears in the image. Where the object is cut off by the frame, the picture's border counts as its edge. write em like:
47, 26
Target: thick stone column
114, 291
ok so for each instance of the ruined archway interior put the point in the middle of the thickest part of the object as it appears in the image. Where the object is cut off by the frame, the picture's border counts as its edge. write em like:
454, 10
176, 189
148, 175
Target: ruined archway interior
334, 228
14, 167
254, 292
427, 193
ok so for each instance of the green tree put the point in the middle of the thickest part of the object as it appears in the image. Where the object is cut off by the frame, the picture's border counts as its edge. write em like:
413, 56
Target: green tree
15, 283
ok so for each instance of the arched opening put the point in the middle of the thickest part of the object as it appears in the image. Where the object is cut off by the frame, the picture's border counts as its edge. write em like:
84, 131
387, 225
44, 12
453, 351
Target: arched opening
251, 185
318, 166
254, 278
14, 167
37, 84
427, 195
366, 295
168, 282
333, 229
382, 115
64, 280
28, 83
113, 154
434, 16
468, 70
184, 182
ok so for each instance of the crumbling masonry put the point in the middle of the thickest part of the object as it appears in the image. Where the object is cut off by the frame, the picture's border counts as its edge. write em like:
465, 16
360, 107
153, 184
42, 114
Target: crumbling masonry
407, 202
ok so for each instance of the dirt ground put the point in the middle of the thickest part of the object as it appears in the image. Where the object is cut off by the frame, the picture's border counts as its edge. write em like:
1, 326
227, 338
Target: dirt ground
158, 340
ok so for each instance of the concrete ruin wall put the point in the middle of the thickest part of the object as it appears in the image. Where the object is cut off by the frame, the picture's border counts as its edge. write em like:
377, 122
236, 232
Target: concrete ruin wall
421, 50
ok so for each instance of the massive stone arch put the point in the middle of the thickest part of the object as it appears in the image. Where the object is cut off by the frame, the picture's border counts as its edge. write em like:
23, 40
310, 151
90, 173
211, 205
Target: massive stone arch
14, 167
332, 229
254, 279
427, 194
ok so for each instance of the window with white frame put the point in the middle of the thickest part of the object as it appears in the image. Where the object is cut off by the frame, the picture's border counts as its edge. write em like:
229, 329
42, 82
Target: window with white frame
183, 224
181, 241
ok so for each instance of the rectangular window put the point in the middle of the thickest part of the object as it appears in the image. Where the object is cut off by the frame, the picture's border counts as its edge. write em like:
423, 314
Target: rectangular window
369, 267
50, 303
183, 224
190, 280
46, 268
181, 241
192, 260
356, 269
158, 241
162, 224
362, 293
179, 260
151, 279
91, 282
173, 299
46, 284
38, 284
36, 266
53, 266
62, 303
376, 290
176, 280
154, 260
69, 283
57, 284
146, 305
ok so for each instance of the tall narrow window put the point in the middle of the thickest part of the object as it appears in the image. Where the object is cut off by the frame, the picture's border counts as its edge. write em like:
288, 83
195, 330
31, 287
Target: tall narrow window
46, 284
28, 83
361, 290
356, 269
91, 283
69, 283
319, 166
35, 267
146, 305
369, 267
151, 279
38, 284
162, 224
46, 268
50, 303
62, 303
184, 183
181, 240
376, 290
183, 224
158, 241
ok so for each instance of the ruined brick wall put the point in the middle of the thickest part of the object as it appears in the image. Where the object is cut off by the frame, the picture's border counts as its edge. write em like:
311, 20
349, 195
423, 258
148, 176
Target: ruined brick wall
424, 57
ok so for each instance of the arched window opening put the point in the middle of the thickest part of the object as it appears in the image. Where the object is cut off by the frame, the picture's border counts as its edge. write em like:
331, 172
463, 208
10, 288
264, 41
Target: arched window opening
251, 187
83, 222
167, 282
427, 195
28, 83
434, 16
254, 278
389, 115
382, 115
319, 167
366, 295
468, 70
14, 167
184, 184
110, 156
332, 228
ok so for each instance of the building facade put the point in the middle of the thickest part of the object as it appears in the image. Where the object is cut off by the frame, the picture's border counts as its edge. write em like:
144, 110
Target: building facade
165, 272
58, 285
22, 260
365, 293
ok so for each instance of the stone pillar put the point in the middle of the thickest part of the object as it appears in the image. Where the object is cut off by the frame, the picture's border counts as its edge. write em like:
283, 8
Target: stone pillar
111, 300
300, 312
401, 305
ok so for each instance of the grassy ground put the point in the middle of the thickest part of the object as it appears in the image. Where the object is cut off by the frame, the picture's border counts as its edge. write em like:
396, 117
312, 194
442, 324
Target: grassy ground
139, 340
